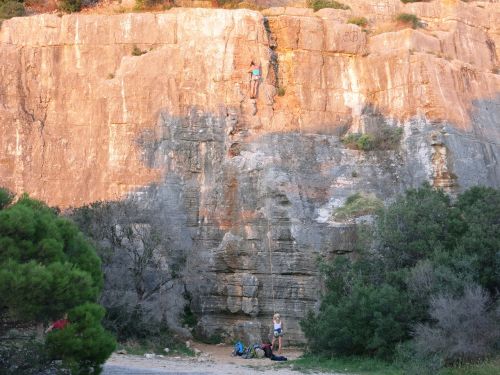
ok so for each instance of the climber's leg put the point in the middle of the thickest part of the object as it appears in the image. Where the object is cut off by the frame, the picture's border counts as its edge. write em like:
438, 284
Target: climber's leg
256, 87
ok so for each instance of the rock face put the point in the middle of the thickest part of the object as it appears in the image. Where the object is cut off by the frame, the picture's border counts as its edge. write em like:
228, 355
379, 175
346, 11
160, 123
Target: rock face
98, 107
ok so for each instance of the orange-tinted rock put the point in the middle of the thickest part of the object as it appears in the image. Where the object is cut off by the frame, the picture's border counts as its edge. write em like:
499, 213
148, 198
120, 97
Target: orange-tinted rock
85, 98
75, 99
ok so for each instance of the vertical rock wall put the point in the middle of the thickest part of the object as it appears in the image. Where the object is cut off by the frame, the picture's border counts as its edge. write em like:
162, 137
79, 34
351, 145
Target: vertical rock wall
248, 186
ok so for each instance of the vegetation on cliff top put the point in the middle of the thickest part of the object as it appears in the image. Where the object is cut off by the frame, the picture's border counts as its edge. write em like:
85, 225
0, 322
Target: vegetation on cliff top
360, 21
423, 291
9, 9
47, 269
321, 4
70, 6
408, 19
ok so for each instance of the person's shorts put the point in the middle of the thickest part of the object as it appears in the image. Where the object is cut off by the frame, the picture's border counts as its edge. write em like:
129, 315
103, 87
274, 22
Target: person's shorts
278, 332
255, 78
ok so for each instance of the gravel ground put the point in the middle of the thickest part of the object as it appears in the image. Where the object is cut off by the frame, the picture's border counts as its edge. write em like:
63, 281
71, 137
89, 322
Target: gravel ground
211, 360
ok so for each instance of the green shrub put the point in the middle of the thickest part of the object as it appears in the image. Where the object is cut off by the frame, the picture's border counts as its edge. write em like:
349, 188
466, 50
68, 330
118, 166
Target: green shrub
387, 137
357, 205
320, 4
129, 323
366, 142
146, 4
11, 9
360, 21
189, 318
416, 225
383, 138
356, 315
409, 19
281, 91
412, 1
444, 272
138, 334
358, 141
479, 209
83, 345
351, 140
412, 362
6, 198
70, 6
417, 271
7, 1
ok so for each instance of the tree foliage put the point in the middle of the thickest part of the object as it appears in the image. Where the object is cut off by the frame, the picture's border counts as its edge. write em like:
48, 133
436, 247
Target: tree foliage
480, 208
425, 248
414, 226
360, 313
9, 9
47, 266
132, 233
138, 262
70, 6
47, 269
466, 328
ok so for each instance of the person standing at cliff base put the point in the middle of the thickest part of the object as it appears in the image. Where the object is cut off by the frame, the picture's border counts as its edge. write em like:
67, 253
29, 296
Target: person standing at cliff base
254, 79
58, 324
277, 331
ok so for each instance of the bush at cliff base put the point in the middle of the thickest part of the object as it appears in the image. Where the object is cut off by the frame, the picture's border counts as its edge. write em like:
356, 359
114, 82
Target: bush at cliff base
47, 269
429, 275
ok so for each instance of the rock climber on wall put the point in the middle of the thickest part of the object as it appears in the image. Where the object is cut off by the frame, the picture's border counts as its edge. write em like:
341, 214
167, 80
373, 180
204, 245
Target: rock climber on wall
255, 73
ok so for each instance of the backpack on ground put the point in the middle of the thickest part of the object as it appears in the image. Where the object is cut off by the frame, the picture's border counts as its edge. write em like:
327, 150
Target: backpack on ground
249, 353
239, 349
268, 351
259, 353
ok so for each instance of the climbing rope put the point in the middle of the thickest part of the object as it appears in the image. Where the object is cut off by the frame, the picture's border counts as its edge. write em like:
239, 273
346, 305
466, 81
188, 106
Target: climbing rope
270, 251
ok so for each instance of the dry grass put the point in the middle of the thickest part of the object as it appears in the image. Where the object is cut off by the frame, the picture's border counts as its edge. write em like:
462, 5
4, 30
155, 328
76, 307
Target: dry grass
235, 4
408, 19
321, 4
360, 21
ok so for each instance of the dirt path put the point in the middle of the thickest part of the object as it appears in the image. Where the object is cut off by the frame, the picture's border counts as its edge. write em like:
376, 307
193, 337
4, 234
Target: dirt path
212, 359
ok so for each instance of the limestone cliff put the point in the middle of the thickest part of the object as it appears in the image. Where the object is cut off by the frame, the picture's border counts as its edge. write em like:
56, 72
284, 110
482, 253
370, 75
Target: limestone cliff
249, 185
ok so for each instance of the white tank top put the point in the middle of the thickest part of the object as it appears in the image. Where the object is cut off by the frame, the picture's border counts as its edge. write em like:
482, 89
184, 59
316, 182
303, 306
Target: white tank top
277, 325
